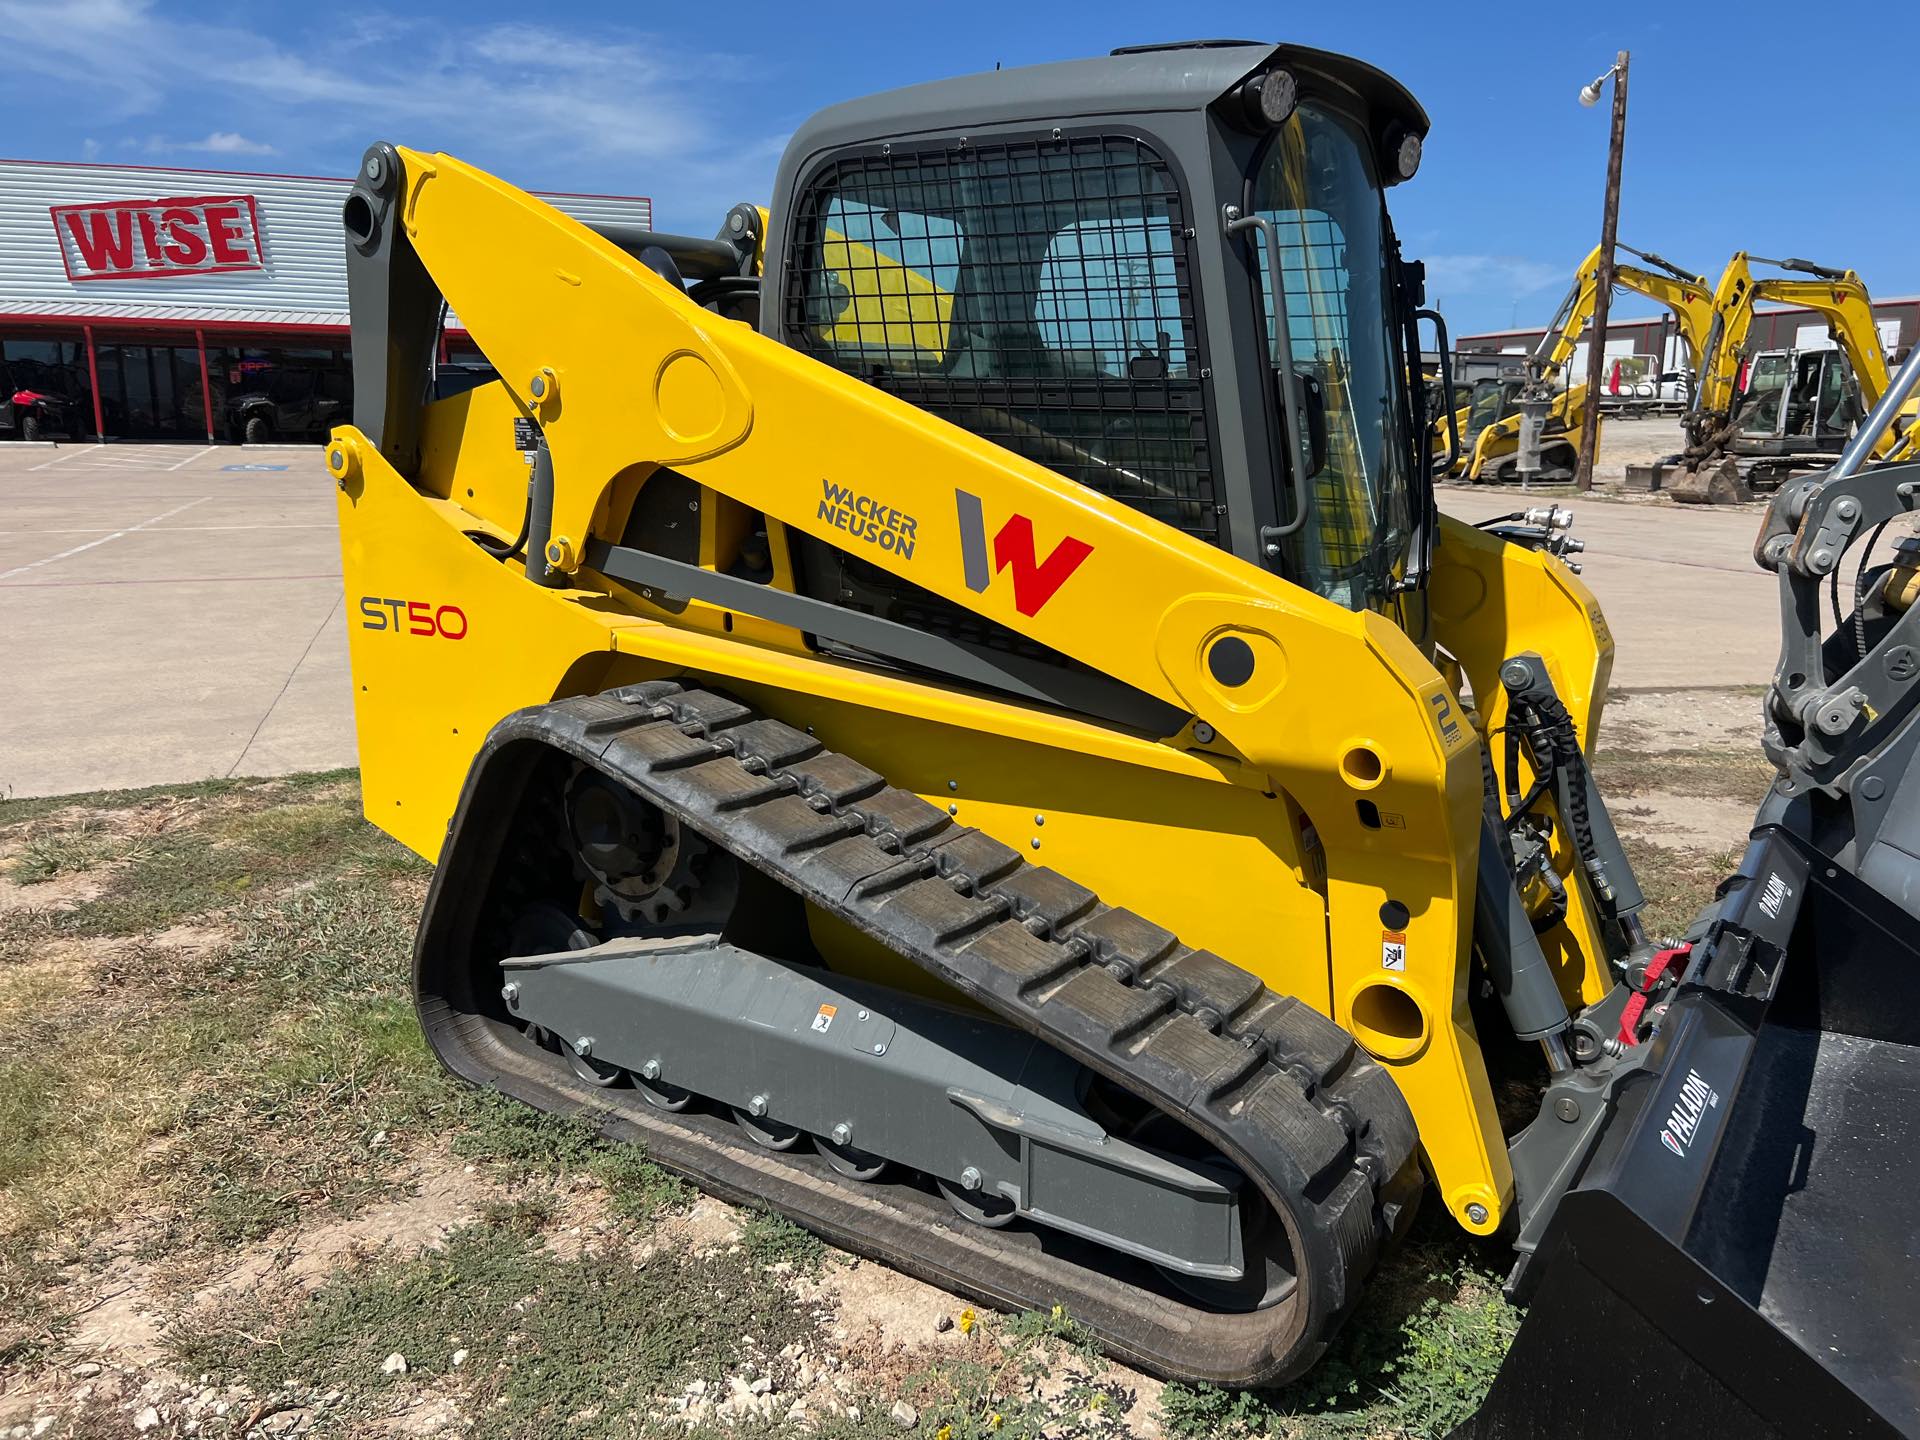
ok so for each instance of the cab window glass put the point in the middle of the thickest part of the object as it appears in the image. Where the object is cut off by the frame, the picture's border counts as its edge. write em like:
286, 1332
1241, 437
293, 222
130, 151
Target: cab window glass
1316, 187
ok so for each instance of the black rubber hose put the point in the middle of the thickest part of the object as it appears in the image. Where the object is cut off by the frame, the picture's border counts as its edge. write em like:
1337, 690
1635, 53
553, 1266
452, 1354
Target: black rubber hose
1572, 761
1860, 588
513, 547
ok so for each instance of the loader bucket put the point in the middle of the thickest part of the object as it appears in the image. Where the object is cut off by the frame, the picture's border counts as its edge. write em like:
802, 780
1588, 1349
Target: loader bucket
1742, 1257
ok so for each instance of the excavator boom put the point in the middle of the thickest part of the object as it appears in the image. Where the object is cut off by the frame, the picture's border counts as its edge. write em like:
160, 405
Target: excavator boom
1491, 445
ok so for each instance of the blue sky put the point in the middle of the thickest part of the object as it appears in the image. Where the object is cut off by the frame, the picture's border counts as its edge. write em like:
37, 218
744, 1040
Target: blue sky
692, 105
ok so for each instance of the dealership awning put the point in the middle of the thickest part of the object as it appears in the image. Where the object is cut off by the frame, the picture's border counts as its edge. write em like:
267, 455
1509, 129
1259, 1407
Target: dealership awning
211, 317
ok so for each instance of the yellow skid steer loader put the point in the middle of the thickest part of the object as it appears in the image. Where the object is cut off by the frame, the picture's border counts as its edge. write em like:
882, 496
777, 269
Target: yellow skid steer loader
949, 711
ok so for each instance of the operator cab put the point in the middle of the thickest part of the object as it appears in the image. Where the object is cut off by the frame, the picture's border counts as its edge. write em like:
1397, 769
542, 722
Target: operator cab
1795, 402
1167, 274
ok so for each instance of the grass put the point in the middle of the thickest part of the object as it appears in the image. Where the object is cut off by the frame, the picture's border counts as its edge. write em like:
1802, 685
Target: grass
209, 1040
1415, 1360
572, 1344
770, 1240
214, 1041
1679, 880
17, 810
247, 1071
1711, 774
71, 852
519, 1142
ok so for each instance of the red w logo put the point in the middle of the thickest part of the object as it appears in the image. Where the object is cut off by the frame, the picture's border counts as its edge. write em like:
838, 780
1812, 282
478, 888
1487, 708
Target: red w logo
1035, 581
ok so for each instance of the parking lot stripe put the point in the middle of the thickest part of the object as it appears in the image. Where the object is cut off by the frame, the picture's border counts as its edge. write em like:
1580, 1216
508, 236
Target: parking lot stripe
168, 580
64, 554
65, 455
191, 458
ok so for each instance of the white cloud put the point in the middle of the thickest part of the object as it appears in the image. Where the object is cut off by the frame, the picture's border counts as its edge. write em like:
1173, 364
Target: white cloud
219, 142
1492, 275
576, 107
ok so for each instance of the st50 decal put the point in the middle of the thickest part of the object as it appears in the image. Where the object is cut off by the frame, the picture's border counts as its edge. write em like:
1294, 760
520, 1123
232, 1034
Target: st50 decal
413, 617
1035, 581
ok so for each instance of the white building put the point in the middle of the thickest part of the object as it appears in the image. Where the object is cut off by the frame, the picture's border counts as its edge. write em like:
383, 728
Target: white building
142, 297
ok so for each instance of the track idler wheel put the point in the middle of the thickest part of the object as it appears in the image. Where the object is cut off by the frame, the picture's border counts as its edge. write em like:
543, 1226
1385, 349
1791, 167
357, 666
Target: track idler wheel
764, 1130
974, 1205
1269, 1276
850, 1160
657, 1092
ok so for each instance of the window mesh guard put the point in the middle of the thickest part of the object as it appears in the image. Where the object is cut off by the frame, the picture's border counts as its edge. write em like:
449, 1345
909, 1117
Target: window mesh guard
1036, 293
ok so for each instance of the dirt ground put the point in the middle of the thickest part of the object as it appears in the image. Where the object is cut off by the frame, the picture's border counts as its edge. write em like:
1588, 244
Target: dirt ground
237, 1197
1625, 442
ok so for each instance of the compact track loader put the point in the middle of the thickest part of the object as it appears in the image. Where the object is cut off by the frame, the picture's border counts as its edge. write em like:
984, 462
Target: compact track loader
949, 711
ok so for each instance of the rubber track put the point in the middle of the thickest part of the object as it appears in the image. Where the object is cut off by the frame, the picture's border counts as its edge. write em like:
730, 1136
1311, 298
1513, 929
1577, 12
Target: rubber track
1279, 1088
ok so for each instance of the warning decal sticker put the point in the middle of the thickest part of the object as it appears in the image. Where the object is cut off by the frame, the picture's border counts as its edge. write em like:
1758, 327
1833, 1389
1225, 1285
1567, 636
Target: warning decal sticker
823, 1019
1393, 950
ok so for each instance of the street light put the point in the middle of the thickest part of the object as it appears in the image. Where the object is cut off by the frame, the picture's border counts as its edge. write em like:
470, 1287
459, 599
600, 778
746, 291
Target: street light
1603, 286
1590, 93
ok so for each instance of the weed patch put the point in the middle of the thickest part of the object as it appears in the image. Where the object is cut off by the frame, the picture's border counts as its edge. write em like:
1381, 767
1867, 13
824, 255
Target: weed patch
768, 1239
1742, 775
573, 1345
236, 1072
520, 1141
1415, 1360
73, 850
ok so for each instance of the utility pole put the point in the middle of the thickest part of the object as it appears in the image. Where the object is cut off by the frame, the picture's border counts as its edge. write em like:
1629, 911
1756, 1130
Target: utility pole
1603, 295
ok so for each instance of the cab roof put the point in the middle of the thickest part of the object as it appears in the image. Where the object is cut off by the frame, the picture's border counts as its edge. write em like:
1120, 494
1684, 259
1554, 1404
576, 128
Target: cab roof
1135, 80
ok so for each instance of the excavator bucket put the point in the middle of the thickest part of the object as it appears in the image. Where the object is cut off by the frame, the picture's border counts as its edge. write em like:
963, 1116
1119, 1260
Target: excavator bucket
1741, 1257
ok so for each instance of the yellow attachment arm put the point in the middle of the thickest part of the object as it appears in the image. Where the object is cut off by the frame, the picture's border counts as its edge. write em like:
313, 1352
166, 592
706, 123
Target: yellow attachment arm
1688, 299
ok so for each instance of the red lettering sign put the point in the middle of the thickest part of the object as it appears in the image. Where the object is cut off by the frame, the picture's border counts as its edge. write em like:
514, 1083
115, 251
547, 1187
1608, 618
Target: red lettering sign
148, 239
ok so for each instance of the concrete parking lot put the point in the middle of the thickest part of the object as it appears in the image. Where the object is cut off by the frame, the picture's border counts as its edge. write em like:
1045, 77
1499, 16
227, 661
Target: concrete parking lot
174, 612
171, 613
1686, 604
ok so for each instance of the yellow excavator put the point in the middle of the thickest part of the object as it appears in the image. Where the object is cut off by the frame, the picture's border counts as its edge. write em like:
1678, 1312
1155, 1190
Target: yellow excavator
1491, 422
1755, 418
948, 711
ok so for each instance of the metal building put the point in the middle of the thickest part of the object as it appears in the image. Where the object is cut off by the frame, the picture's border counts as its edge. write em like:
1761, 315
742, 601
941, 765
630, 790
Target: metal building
146, 298
1775, 327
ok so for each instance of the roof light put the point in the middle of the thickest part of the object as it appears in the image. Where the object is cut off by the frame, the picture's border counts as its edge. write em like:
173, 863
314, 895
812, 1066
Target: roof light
1406, 155
1267, 100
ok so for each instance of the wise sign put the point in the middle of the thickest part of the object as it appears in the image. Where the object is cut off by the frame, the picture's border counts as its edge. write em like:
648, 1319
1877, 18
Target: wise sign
149, 239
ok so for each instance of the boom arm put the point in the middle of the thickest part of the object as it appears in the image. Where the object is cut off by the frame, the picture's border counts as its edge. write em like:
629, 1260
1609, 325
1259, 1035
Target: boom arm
1838, 295
1685, 295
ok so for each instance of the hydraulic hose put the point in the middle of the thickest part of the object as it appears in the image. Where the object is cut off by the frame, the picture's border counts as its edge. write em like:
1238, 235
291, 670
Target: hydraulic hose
514, 546
1559, 760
